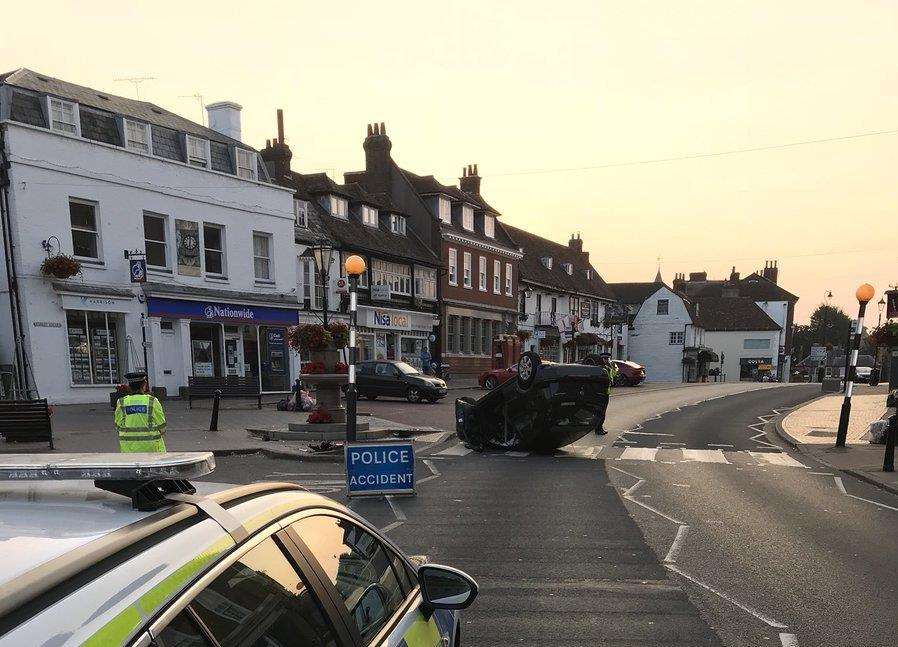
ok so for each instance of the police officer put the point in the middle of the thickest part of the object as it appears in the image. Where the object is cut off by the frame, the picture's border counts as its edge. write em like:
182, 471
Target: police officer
611, 371
139, 418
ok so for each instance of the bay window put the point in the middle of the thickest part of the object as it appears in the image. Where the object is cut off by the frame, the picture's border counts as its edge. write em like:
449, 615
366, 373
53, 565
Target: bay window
396, 275
426, 283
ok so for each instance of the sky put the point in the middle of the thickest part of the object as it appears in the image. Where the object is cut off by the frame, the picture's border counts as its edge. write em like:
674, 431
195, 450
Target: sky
541, 94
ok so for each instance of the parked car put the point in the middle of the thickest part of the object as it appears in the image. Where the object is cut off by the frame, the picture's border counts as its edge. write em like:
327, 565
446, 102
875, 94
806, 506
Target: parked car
489, 380
231, 565
628, 373
862, 374
397, 379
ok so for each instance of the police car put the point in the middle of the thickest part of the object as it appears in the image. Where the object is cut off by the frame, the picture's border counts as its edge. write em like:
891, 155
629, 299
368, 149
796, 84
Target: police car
141, 557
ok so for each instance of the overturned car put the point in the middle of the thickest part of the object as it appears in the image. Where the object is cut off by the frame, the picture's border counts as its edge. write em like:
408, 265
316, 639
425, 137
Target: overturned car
544, 407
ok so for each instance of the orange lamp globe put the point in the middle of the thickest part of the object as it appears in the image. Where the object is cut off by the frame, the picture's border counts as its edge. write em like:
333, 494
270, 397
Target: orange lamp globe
355, 265
865, 293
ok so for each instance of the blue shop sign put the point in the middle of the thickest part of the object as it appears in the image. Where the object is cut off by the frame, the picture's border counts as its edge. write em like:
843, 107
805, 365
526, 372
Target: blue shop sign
220, 312
384, 467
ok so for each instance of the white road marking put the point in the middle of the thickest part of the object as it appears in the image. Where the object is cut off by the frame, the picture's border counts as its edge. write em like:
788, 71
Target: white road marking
434, 437
456, 450
391, 526
776, 458
639, 454
434, 472
705, 455
397, 511
821, 473
518, 454
757, 614
646, 433
841, 487
677, 544
789, 640
720, 445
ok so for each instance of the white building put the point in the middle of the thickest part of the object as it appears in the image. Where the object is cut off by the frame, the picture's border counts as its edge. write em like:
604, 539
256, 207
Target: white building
92, 175
665, 333
563, 299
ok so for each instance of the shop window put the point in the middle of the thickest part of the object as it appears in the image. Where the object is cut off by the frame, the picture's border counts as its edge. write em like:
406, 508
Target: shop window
425, 283
262, 256
85, 229
94, 347
154, 235
453, 266
205, 349
497, 277
214, 249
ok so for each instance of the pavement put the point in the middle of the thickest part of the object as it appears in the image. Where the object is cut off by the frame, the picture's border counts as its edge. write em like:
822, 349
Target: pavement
811, 429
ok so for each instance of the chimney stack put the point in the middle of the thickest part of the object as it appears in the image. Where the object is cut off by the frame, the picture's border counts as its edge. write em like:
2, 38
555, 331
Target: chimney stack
276, 154
734, 275
224, 118
679, 282
771, 271
470, 180
378, 162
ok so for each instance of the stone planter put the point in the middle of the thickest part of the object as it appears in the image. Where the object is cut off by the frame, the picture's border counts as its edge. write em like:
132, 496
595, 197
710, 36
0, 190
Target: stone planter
328, 391
327, 357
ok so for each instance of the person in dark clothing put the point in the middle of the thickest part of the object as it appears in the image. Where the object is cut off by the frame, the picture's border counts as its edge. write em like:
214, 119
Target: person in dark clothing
611, 370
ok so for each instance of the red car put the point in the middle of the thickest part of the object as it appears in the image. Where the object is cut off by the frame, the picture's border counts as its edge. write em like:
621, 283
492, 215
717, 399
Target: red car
491, 379
628, 373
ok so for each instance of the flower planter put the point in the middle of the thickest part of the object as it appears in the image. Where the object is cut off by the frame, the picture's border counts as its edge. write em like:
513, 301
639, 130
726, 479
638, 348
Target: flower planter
60, 267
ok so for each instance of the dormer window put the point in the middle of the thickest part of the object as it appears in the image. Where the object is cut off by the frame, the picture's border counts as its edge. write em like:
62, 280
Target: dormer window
369, 215
588, 275
489, 226
444, 209
338, 206
467, 217
397, 224
197, 151
301, 213
246, 164
568, 268
63, 116
137, 136
546, 261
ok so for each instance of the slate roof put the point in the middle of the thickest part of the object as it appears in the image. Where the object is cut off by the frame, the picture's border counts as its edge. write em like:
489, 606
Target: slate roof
532, 268
634, 293
733, 313
351, 233
142, 110
754, 286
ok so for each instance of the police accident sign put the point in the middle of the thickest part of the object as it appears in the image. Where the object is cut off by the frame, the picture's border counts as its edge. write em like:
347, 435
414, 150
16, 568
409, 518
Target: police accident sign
384, 467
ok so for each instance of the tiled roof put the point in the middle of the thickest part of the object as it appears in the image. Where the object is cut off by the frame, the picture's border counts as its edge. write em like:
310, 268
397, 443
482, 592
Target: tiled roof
634, 293
142, 110
754, 286
532, 268
319, 183
733, 313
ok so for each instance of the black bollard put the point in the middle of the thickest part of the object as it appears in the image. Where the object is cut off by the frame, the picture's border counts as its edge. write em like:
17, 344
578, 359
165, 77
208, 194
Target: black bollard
216, 398
888, 462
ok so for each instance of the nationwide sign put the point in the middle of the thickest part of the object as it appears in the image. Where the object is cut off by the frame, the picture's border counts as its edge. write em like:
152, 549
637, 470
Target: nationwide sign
224, 312
384, 467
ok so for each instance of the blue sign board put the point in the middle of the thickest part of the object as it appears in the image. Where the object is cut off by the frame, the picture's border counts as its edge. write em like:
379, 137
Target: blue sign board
382, 467
138, 270
222, 312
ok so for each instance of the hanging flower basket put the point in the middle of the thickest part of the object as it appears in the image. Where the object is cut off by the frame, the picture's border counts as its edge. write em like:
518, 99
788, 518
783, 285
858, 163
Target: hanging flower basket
308, 338
319, 416
60, 266
885, 336
313, 368
339, 334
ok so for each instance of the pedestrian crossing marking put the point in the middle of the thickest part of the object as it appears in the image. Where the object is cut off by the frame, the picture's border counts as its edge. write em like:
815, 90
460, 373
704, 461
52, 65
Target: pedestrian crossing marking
776, 458
456, 450
704, 456
639, 454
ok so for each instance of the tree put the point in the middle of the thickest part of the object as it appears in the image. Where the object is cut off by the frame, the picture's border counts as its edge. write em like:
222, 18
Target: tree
829, 326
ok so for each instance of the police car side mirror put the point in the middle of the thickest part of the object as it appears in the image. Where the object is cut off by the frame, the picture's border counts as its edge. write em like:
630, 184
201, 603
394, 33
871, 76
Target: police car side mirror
444, 587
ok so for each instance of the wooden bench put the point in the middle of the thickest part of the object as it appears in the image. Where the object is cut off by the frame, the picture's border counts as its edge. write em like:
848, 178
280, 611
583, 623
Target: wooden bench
231, 386
26, 421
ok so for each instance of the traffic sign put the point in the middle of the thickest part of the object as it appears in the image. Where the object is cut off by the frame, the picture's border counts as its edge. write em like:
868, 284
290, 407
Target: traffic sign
382, 467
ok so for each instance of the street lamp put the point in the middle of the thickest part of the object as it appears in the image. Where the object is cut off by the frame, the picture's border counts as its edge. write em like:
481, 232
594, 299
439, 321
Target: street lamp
354, 266
323, 254
864, 294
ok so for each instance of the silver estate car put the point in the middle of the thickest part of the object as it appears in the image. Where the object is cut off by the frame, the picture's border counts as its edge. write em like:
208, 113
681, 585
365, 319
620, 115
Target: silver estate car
262, 565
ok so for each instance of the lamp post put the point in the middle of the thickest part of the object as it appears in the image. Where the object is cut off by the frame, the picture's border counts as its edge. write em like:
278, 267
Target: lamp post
354, 267
864, 293
323, 254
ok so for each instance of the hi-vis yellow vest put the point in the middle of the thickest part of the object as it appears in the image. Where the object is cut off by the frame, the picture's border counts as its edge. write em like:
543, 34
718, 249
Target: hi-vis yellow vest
141, 423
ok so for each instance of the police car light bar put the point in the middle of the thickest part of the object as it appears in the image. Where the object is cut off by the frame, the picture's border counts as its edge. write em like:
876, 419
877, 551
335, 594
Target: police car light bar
134, 467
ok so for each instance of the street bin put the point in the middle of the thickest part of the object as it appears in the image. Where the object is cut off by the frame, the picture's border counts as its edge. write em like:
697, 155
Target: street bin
544, 407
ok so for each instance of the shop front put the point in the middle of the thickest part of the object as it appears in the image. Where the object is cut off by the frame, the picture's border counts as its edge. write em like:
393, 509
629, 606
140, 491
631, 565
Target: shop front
215, 339
385, 333
754, 369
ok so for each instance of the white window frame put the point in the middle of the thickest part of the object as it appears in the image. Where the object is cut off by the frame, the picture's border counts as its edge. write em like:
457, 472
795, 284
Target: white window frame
397, 275
509, 273
466, 276
270, 239
426, 283
76, 116
489, 226
247, 171
192, 159
223, 251
300, 213
497, 276
666, 303
444, 210
481, 270
453, 266
164, 218
569, 268
369, 216
397, 224
145, 146
338, 207
95, 231
467, 217
117, 317
547, 262
677, 338
310, 289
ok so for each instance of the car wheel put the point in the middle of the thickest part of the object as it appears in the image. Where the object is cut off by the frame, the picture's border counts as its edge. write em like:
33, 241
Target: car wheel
528, 366
413, 395
490, 383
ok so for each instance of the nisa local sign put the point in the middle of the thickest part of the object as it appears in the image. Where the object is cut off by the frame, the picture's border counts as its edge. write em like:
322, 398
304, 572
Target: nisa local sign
384, 467
390, 319
224, 312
